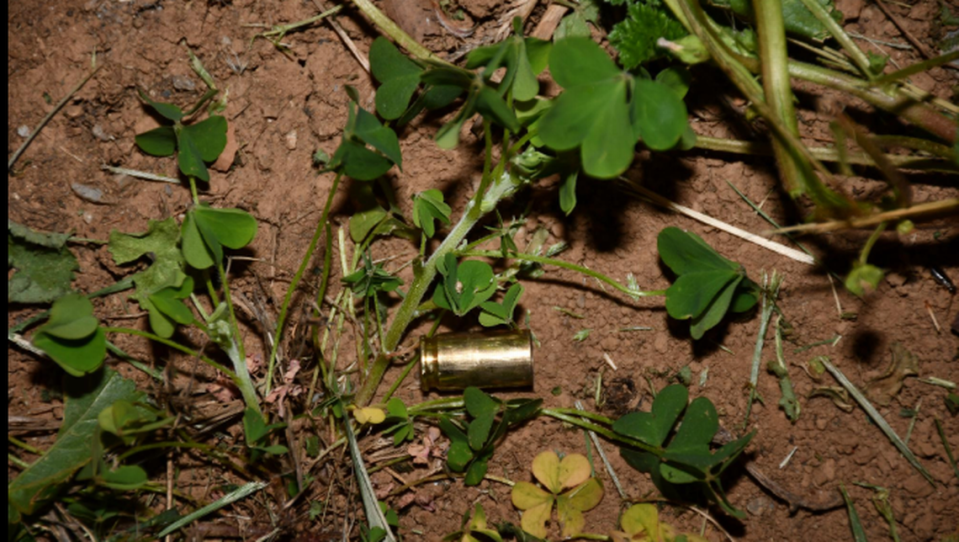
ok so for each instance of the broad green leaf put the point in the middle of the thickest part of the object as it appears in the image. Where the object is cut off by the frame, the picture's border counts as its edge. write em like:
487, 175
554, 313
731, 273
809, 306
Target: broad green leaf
378, 136
71, 317
686, 252
363, 222
397, 408
359, 162
459, 455
796, 18
676, 78
477, 470
653, 427
195, 251
428, 207
745, 298
501, 313
209, 137
658, 115
158, 141
567, 192
76, 356
168, 302
494, 108
43, 265
715, 311
233, 228
399, 76
699, 425
189, 159
576, 61
166, 110
84, 399
124, 478
693, 293
483, 409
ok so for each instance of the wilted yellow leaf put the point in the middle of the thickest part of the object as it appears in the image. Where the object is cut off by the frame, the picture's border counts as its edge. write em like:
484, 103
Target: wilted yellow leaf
369, 415
534, 520
525, 496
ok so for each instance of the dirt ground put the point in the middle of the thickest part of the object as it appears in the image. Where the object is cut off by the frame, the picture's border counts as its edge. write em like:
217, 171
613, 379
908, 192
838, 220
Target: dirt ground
283, 107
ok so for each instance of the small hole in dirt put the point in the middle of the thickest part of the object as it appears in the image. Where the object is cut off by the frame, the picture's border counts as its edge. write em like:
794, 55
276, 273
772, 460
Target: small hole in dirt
301, 62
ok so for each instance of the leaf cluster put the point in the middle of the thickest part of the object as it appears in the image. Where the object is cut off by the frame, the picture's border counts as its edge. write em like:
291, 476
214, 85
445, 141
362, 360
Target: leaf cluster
475, 529
370, 279
101, 402
569, 486
258, 435
708, 285
401, 422
195, 144
684, 456
72, 336
472, 446
469, 284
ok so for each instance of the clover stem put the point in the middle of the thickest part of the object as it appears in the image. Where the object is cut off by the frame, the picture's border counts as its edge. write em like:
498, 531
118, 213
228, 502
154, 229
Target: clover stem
234, 349
609, 434
867, 248
392, 30
500, 188
172, 344
320, 226
566, 265
193, 191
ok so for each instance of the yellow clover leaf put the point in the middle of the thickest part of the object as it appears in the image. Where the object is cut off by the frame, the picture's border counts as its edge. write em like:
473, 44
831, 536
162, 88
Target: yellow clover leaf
369, 415
573, 471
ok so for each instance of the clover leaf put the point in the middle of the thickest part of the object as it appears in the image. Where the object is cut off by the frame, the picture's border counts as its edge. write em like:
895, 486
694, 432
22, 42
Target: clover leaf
72, 336
496, 314
197, 143
864, 278
471, 450
370, 279
400, 77
353, 157
402, 423
573, 473
597, 114
428, 207
708, 285
207, 230
523, 58
257, 435
465, 285
686, 458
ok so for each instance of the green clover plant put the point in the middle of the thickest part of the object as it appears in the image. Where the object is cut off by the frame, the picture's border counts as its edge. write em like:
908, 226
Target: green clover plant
195, 144
471, 450
572, 473
708, 285
684, 456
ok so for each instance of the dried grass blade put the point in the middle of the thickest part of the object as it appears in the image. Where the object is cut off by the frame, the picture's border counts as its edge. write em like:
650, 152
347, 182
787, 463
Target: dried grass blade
878, 419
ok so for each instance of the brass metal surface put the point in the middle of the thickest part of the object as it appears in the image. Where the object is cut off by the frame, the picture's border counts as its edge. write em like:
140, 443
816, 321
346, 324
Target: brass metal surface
494, 359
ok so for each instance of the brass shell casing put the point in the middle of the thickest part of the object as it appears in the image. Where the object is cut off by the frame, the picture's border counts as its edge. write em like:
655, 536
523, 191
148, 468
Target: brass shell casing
495, 359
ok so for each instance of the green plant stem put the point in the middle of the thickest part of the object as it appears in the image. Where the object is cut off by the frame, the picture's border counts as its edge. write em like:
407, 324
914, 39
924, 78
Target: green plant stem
608, 433
446, 403
281, 30
304, 263
945, 443
391, 29
501, 187
771, 29
235, 351
17, 461
770, 292
585, 414
174, 345
566, 265
19, 443
833, 155
836, 31
867, 248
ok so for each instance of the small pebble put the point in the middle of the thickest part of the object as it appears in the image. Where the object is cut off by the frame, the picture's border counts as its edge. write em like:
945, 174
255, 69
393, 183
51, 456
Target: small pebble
23, 131
100, 134
291, 140
183, 83
88, 193
87, 217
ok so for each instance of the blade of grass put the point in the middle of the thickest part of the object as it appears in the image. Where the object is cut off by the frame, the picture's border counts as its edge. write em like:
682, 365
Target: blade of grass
241, 493
913, 213
770, 292
877, 418
853, 50
374, 515
945, 444
858, 534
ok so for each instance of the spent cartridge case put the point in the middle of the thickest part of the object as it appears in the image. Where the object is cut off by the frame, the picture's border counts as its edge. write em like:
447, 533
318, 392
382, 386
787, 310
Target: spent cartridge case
494, 359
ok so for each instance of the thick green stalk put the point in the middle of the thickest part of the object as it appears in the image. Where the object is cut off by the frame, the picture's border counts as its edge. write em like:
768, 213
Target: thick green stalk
772, 50
501, 188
